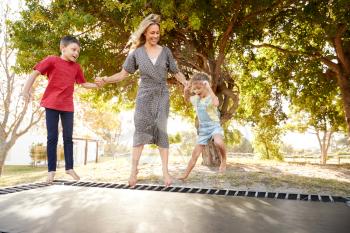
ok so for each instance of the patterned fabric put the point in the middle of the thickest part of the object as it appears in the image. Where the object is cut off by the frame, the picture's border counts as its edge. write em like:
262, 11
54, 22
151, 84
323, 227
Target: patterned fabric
209, 119
152, 101
205, 109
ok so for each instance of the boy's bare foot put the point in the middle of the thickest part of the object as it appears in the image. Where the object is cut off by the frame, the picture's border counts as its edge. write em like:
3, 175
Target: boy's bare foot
72, 173
167, 180
50, 177
222, 167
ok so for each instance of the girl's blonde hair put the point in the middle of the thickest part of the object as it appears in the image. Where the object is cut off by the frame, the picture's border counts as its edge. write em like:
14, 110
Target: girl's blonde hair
137, 39
200, 77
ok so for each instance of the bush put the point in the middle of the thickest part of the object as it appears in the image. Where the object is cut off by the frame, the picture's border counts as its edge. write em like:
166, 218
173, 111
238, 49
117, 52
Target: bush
38, 153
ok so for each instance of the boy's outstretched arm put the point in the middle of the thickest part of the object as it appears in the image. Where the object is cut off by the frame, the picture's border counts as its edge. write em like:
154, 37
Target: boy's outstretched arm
215, 99
27, 87
89, 85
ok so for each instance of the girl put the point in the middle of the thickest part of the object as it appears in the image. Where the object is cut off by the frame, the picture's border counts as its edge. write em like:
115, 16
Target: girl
205, 102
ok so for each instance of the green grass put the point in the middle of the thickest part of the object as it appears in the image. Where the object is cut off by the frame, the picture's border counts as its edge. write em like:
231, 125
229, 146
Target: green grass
14, 174
241, 174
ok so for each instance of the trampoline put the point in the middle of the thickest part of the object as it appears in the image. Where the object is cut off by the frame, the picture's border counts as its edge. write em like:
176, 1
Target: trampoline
66, 207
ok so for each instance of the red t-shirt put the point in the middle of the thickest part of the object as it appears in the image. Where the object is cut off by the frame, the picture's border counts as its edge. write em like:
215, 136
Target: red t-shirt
62, 75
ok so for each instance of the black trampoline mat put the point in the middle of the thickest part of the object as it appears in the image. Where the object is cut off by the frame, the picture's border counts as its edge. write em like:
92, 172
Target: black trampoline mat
67, 208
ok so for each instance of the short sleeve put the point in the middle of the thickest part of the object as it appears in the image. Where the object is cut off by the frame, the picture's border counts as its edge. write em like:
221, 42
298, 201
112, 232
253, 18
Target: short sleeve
194, 99
171, 63
45, 65
130, 64
79, 78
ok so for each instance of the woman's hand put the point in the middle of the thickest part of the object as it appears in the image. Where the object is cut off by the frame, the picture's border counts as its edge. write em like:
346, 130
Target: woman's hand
100, 82
187, 86
187, 90
206, 84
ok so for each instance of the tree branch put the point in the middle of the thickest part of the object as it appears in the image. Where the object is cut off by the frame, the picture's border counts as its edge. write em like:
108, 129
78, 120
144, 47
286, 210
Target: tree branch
337, 41
329, 139
222, 46
89, 30
326, 61
31, 124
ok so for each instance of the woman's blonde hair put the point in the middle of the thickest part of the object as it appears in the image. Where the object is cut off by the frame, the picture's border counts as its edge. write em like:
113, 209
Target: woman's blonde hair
137, 39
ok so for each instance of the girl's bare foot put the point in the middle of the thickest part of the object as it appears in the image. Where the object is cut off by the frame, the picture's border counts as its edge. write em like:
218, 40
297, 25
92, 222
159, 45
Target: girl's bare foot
72, 173
167, 180
222, 167
183, 177
50, 177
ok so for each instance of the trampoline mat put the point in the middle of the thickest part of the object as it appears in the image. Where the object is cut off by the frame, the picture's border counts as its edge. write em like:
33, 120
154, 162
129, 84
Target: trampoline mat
65, 209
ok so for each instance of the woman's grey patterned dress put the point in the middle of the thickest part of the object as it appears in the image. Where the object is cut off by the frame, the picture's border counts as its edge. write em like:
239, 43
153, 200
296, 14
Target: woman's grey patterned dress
152, 101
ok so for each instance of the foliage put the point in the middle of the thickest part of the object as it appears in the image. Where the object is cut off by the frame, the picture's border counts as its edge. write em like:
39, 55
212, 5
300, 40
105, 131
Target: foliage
264, 55
244, 146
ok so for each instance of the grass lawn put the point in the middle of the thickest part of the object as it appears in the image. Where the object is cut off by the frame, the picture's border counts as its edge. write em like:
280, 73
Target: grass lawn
15, 174
243, 174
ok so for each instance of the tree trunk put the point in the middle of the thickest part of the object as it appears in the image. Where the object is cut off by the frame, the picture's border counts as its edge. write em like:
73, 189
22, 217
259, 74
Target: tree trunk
1, 166
3, 152
344, 85
324, 145
267, 151
211, 155
323, 155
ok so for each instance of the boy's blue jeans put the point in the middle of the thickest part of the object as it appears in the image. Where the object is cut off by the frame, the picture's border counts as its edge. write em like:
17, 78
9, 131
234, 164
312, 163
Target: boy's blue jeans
52, 118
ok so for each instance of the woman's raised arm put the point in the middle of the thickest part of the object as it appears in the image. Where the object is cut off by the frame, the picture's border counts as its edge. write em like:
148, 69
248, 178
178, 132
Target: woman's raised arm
113, 78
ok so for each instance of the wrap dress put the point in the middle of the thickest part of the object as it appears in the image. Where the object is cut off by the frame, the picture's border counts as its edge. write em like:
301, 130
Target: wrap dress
152, 100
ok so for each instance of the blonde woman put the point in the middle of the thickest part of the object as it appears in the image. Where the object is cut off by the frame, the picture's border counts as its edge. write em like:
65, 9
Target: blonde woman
152, 102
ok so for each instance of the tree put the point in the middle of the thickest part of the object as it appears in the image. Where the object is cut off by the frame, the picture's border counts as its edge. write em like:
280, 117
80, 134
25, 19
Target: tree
314, 101
261, 100
318, 113
315, 30
201, 39
245, 146
288, 149
341, 144
321, 125
16, 116
267, 143
103, 120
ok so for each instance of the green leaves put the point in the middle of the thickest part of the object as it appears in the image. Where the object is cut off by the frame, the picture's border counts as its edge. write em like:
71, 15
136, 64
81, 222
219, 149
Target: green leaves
286, 72
195, 22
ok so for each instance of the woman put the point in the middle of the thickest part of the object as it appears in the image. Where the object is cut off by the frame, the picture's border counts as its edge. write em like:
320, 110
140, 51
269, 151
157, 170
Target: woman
152, 102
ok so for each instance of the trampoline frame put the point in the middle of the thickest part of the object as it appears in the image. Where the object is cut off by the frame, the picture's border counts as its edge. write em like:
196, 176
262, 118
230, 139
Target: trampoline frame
181, 189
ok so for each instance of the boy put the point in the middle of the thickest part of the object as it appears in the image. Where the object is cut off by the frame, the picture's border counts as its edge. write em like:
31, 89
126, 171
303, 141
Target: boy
205, 103
62, 72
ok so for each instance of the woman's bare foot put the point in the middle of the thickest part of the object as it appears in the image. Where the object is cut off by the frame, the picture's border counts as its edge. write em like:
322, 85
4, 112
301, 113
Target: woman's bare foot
167, 180
133, 178
222, 167
50, 177
72, 173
